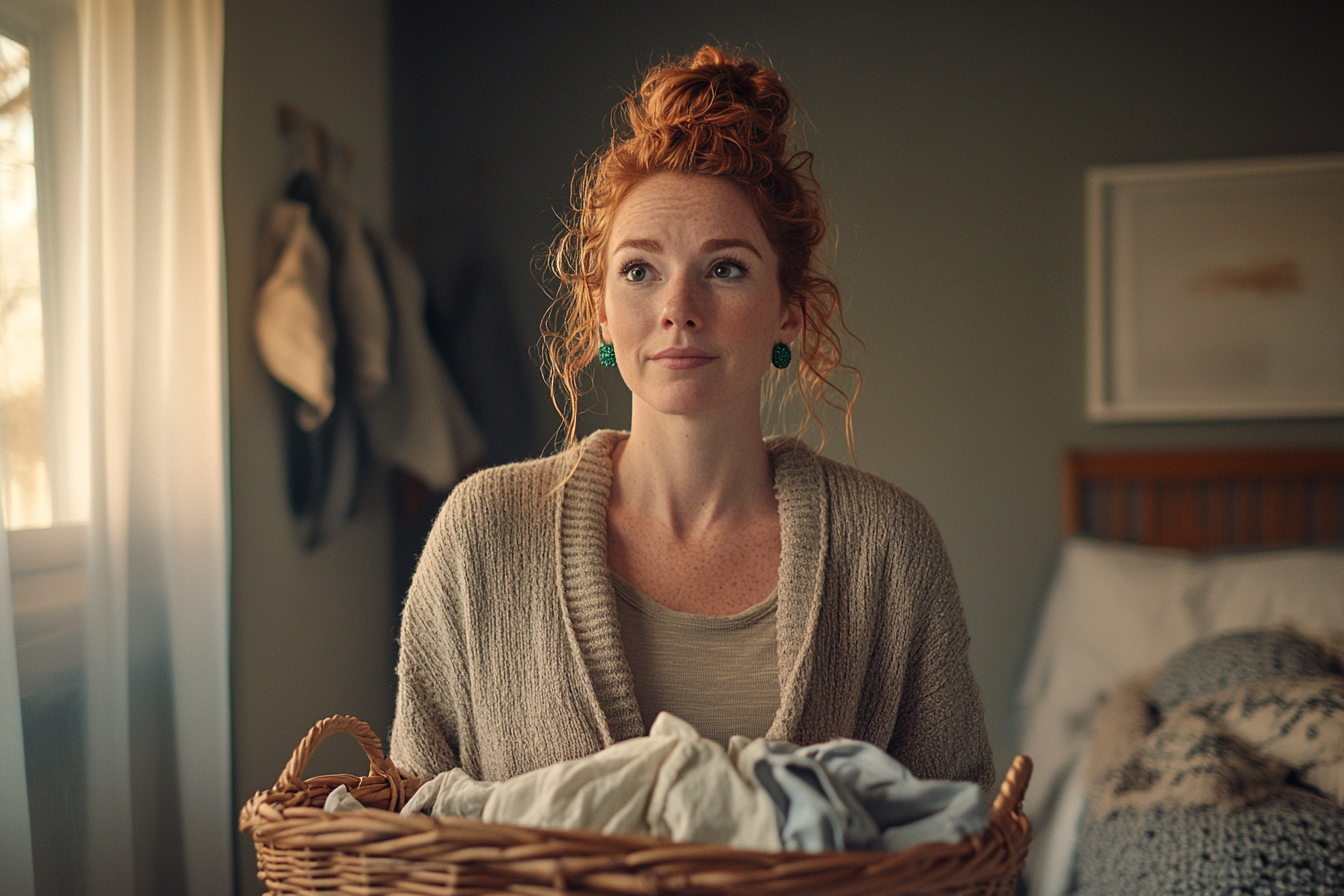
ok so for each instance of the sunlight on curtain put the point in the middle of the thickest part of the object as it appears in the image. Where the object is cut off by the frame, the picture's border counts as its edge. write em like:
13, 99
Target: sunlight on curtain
114, 636
158, 721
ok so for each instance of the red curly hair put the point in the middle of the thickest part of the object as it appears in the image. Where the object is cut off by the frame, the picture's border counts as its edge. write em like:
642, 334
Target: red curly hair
718, 115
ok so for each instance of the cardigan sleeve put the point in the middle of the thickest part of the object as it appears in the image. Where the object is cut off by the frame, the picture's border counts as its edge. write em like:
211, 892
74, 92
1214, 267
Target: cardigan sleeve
428, 725
940, 723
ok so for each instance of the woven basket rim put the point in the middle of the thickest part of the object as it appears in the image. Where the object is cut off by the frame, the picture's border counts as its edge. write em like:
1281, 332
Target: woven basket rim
288, 819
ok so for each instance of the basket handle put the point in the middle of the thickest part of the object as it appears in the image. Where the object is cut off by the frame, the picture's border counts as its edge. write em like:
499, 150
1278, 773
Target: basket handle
291, 779
1014, 786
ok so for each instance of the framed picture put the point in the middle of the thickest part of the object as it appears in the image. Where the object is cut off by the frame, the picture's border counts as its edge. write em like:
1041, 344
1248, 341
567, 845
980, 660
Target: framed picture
1216, 290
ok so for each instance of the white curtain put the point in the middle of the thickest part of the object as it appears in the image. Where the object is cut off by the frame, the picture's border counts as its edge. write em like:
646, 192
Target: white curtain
16, 838
153, 781
158, 710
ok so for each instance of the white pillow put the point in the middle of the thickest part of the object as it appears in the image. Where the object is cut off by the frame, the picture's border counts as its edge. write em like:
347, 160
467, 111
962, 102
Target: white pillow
1112, 610
1303, 587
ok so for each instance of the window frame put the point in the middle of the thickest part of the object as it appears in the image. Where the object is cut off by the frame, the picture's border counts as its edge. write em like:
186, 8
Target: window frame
48, 565
48, 28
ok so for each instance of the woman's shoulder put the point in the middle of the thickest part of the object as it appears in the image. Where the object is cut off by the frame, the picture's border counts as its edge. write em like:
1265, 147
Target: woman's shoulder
843, 486
492, 483
872, 529
530, 488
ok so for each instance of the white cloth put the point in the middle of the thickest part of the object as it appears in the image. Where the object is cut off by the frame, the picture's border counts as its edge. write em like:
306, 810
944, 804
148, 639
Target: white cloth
340, 800
294, 330
672, 783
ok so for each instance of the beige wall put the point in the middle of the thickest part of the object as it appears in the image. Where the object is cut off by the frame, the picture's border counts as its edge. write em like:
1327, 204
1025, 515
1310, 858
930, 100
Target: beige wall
312, 632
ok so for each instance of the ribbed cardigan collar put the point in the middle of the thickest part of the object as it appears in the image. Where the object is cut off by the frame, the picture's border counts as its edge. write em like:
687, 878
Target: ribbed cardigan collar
584, 581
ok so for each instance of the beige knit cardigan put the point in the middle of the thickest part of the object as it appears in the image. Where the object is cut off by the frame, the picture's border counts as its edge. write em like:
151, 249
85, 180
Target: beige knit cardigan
511, 654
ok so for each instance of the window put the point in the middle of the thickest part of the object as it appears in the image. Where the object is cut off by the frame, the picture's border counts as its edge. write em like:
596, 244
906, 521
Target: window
44, 506
25, 489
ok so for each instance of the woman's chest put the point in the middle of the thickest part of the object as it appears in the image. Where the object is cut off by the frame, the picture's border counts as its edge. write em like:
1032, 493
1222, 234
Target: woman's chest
719, 572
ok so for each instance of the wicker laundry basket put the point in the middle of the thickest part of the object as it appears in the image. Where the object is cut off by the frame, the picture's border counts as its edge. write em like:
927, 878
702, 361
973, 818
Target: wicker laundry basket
302, 849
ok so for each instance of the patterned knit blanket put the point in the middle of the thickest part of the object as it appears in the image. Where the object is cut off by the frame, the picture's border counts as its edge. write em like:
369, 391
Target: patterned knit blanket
1223, 772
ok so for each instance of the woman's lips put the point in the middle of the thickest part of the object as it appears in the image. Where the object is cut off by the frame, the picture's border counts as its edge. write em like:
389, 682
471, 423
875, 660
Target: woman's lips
682, 358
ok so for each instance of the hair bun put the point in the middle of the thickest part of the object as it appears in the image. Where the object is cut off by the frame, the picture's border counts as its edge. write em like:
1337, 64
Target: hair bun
746, 81
717, 104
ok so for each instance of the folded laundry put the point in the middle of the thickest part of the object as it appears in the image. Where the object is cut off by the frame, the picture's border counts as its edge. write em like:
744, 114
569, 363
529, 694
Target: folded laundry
847, 794
673, 784
758, 794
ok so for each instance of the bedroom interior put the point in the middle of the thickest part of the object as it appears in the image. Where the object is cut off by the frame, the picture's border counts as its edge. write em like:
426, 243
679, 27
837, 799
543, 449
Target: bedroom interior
955, 141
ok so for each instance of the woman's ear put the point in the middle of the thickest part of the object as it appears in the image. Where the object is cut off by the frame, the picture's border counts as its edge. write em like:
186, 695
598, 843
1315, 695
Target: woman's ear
599, 306
791, 321
599, 312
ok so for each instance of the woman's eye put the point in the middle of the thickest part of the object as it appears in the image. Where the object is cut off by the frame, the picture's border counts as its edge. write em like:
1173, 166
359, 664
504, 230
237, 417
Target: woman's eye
726, 270
636, 273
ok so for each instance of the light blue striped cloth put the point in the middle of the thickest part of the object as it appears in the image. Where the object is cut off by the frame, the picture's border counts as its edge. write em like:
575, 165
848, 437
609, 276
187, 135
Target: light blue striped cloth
847, 794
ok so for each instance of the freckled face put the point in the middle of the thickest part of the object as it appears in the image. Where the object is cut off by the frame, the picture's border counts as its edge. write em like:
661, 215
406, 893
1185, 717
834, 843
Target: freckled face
691, 300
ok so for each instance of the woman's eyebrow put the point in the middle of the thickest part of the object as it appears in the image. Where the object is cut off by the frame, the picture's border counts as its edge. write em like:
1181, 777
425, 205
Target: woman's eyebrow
720, 245
640, 245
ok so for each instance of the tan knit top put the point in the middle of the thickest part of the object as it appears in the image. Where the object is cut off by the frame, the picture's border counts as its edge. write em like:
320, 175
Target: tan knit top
719, 673
511, 654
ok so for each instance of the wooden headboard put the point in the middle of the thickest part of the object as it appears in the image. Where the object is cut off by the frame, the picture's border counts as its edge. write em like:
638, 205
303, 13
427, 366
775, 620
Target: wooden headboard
1207, 498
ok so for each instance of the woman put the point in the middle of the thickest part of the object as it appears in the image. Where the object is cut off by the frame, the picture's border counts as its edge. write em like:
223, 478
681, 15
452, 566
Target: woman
746, 585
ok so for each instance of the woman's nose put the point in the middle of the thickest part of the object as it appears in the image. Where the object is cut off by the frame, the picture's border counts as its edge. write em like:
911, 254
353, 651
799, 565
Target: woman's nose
681, 307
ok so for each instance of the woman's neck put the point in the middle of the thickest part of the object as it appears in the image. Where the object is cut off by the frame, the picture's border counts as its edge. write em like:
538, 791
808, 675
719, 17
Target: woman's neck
692, 472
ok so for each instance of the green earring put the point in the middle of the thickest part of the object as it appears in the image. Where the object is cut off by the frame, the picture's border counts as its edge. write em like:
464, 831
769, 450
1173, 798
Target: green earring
781, 356
606, 354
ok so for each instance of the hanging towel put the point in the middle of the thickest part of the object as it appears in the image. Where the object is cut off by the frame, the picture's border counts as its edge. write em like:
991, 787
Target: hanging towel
298, 341
363, 321
322, 329
293, 324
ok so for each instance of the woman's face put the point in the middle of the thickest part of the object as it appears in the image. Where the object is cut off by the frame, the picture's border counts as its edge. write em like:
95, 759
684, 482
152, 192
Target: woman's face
691, 300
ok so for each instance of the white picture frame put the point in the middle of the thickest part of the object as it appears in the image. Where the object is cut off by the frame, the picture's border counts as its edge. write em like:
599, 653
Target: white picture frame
1215, 290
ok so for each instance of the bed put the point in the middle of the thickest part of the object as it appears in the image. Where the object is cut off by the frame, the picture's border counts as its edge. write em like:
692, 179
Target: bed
1161, 550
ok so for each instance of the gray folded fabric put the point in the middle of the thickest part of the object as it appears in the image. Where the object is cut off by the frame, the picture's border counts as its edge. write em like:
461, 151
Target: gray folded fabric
847, 794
